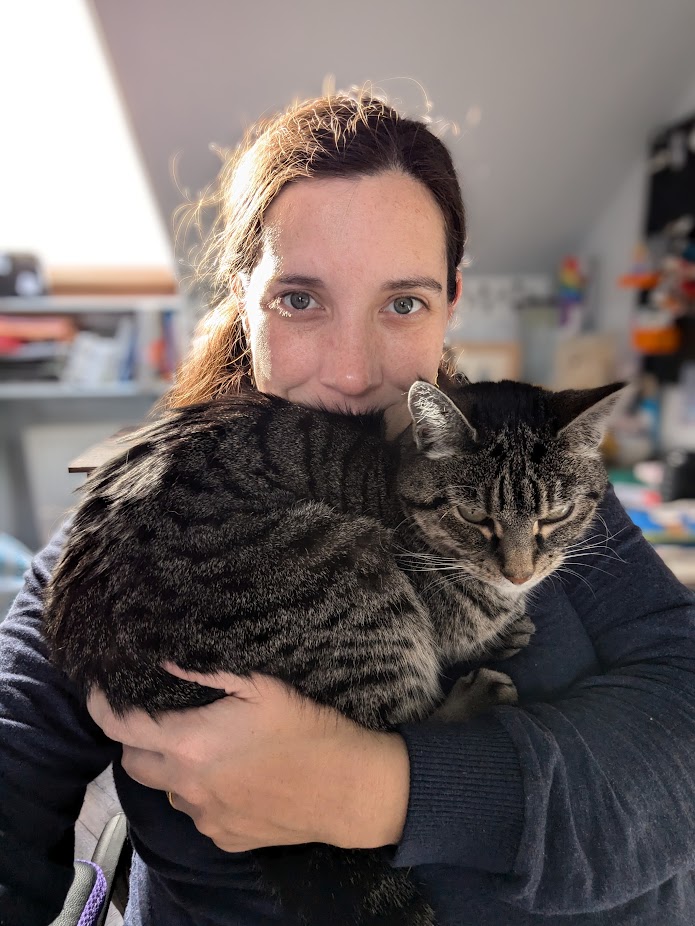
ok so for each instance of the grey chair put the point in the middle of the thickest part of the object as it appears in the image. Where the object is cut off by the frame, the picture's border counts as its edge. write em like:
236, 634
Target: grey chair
100, 881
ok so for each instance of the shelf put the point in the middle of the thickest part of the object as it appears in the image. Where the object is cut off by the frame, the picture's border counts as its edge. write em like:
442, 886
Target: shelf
57, 390
143, 340
75, 305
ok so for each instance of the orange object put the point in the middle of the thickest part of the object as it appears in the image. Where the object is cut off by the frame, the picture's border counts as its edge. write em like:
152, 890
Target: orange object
37, 327
656, 340
639, 280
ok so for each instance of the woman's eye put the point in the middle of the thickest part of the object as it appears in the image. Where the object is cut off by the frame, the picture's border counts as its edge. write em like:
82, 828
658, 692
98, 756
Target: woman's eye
406, 305
557, 514
473, 515
298, 301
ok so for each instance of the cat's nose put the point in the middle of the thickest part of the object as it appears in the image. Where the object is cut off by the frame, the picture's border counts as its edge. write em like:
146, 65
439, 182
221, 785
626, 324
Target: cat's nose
517, 578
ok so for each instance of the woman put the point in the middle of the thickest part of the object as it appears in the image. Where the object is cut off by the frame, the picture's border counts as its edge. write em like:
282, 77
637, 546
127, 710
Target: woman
335, 272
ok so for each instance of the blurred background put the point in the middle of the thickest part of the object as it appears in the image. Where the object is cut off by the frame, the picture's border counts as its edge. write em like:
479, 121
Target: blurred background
572, 125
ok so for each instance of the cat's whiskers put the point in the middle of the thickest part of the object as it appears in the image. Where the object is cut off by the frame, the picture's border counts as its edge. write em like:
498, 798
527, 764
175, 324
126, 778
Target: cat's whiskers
444, 579
585, 542
433, 568
432, 562
551, 575
603, 521
402, 552
584, 548
428, 557
612, 536
584, 554
592, 550
407, 519
445, 570
562, 568
608, 536
583, 545
597, 568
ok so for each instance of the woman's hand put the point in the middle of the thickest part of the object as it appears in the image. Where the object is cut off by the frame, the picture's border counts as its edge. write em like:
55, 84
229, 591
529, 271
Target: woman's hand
265, 766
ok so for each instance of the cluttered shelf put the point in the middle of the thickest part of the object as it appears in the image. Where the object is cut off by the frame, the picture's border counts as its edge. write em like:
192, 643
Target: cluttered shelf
74, 367
74, 346
50, 305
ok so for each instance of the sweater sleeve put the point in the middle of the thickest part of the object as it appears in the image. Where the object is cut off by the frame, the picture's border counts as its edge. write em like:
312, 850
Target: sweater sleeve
586, 801
49, 751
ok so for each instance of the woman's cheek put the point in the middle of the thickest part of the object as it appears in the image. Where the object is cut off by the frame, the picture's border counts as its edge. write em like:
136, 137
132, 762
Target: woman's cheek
285, 358
266, 356
421, 356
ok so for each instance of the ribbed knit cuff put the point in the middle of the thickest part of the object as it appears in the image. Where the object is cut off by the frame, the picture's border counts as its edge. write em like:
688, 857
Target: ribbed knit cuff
466, 805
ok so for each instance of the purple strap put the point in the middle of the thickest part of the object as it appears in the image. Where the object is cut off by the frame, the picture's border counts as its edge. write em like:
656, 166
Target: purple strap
96, 899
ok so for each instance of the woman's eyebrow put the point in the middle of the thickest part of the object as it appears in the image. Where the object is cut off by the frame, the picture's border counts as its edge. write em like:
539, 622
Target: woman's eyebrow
298, 279
414, 283
419, 282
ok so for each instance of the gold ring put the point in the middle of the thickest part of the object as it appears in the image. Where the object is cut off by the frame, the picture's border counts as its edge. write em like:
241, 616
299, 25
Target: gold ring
170, 798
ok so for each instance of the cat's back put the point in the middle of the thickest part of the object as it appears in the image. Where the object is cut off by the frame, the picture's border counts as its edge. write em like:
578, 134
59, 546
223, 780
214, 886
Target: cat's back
242, 453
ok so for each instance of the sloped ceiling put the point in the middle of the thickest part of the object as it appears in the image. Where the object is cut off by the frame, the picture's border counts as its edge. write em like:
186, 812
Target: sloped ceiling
554, 98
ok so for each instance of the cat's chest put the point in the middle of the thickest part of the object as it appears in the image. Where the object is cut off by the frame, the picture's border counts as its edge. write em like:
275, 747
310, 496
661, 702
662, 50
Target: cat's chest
559, 655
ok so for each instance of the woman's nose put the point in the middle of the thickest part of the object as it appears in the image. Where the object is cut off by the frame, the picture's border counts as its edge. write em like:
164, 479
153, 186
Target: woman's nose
350, 364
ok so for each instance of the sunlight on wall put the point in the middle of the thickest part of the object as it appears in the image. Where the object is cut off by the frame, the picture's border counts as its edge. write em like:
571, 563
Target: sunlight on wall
72, 188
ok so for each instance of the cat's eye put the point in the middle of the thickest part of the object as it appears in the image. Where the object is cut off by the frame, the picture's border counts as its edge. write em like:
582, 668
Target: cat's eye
473, 515
557, 515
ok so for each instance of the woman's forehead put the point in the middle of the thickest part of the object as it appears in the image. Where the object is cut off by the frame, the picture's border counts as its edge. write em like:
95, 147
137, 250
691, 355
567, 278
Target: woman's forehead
368, 218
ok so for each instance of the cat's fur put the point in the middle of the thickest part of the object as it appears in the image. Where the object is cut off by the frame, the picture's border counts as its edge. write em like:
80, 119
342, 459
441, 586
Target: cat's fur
252, 535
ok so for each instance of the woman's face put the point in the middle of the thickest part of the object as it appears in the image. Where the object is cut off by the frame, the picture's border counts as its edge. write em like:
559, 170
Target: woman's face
347, 306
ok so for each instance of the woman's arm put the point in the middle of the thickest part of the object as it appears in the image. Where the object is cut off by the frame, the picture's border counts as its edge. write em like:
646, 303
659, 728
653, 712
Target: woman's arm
576, 804
587, 801
265, 767
49, 751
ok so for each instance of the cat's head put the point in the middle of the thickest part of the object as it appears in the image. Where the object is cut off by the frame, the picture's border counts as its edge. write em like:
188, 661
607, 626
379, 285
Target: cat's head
505, 478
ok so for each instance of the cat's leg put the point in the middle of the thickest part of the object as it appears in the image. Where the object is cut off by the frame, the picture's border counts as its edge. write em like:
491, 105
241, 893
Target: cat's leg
474, 694
515, 638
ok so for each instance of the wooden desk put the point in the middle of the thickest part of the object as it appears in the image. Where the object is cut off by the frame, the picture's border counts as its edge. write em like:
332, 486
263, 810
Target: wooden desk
100, 453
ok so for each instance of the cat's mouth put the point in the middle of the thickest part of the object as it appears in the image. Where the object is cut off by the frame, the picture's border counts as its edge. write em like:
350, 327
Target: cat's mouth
489, 575
513, 585
519, 585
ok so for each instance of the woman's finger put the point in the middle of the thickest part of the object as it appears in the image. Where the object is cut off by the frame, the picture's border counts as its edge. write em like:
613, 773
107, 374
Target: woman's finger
132, 728
232, 685
147, 768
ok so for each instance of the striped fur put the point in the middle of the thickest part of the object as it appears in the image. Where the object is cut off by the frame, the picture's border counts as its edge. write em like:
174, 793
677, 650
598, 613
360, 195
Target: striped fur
252, 535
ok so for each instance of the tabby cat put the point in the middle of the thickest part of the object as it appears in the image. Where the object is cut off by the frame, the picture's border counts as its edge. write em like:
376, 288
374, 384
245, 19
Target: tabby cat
252, 535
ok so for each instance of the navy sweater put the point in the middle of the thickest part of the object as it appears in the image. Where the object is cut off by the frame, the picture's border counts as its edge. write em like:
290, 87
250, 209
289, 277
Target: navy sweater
576, 808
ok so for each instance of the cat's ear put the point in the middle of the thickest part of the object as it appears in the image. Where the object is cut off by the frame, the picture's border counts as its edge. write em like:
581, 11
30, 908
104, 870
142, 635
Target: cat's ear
439, 427
584, 413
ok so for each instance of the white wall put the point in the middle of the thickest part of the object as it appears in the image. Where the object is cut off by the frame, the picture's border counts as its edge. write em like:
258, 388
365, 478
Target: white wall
64, 132
618, 228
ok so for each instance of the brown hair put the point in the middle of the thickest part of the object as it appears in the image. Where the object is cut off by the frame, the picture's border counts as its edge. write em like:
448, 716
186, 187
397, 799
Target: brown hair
333, 136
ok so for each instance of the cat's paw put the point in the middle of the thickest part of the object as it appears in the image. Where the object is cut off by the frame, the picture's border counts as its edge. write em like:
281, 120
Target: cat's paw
516, 638
474, 694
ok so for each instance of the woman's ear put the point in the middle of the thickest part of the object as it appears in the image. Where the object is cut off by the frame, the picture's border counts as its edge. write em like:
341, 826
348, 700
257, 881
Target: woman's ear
457, 295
